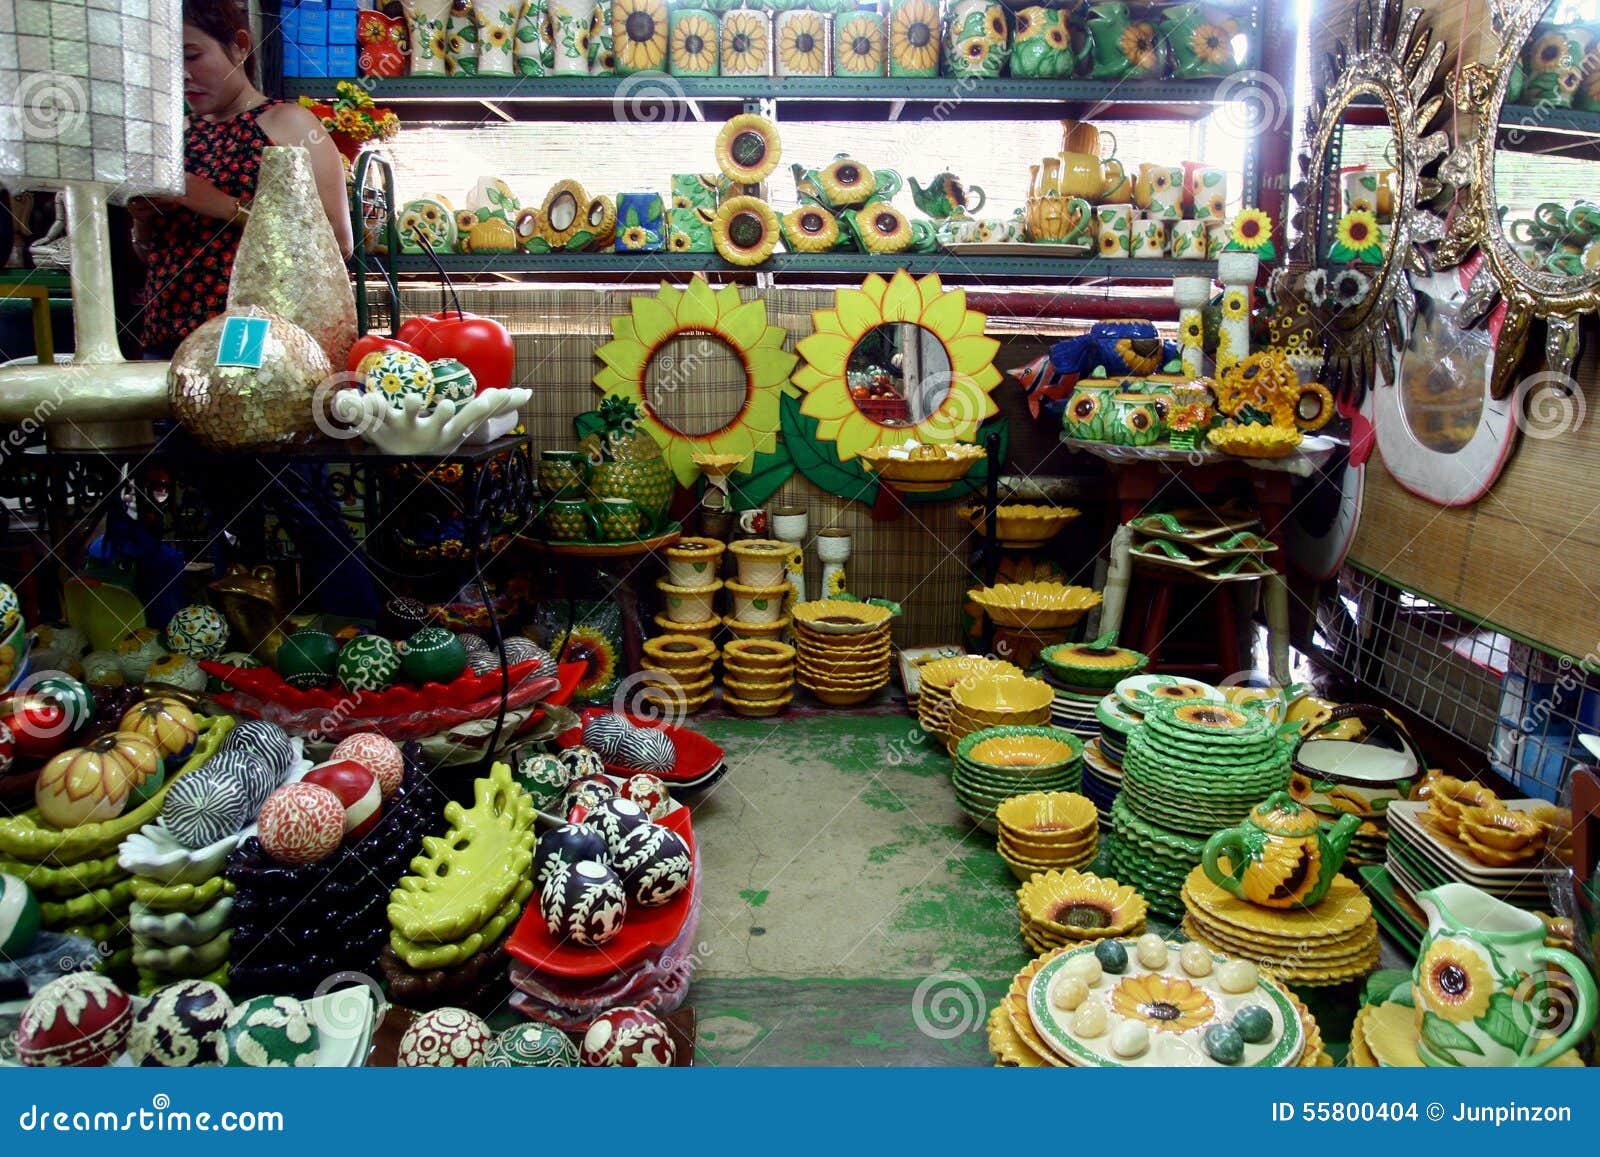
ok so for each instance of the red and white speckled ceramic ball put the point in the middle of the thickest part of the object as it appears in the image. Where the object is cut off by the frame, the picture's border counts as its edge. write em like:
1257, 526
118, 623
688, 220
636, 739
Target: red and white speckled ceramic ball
301, 823
378, 754
357, 789
445, 1038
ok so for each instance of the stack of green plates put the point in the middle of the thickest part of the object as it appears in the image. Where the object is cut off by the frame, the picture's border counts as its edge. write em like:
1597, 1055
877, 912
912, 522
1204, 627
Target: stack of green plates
1151, 859
997, 763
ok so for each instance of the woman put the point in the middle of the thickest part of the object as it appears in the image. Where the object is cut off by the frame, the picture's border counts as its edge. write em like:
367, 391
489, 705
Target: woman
189, 242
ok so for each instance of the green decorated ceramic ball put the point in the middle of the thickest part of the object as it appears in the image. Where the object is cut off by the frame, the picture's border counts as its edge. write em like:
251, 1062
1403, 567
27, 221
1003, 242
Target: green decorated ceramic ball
1112, 955
368, 663
433, 655
308, 659
452, 381
272, 1032
19, 917
398, 375
1224, 1044
532, 1045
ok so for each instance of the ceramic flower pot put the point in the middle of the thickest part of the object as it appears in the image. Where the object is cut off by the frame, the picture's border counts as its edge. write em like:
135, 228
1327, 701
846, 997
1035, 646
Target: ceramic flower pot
532, 52
569, 28
757, 605
1122, 48
461, 39
1088, 411
693, 562
763, 562
913, 38
639, 33
746, 43
859, 44
1201, 39
689, 605
1041, 45
804, 43
693, 50
430, 38
977, 39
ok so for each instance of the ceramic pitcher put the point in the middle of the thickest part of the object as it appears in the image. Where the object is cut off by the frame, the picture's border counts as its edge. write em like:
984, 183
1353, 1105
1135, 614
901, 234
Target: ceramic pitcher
1482, 982
1042, 44
461, 39
977, 39
533, 54
1200, 37
1121, 47
569, 35
497, 22
429, 36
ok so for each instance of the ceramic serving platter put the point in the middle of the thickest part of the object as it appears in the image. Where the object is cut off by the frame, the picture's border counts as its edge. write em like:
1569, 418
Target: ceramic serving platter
1423, 872
1126, 688
1167, 554
1406, 815
912, 659
1362, 763
1180, 529
1246, 570
1244, 542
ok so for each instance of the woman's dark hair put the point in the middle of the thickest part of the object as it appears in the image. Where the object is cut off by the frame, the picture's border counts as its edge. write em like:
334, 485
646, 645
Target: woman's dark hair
222, 20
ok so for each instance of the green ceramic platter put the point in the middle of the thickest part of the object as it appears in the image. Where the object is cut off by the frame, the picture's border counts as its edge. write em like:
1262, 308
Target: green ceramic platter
1156, 837
1235, 781
1201, 792
1066, 771
1113, 715
1387, 908
1251, 755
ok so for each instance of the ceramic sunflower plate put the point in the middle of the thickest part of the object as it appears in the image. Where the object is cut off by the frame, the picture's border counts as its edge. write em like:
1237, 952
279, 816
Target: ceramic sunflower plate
1173, 1009
1140, 692
1336, 916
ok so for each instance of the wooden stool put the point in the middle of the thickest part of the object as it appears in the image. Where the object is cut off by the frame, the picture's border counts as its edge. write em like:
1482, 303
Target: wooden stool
1158, 611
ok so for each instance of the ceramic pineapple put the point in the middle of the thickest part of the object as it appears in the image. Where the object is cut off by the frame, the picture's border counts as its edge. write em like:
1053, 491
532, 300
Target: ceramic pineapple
631, 464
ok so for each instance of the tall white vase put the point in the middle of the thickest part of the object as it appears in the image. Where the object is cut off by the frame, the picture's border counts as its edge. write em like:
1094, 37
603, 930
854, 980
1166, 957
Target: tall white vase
833, 548
430, 36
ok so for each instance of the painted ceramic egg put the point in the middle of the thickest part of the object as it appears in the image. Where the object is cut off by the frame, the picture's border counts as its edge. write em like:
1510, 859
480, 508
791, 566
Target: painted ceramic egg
520, 649
533, 1045
368, 663
445, 1038
71, 695
433, 655
308, 659
184, 1025
582, 902
604, 734
10, 609
40, 727
628, 1037
88, 784
649, 793
474, 644
301, 823
482, 662
452, 381
654, 864
61, 637
582, 762
103, 669
50, 659
19, 917
402, 617
266, 741
615, 818
176, 671
272, 1032
378, 754
197, 631
137, 650
568, 844
400, 374
544, 776
648, 749
81, 1019
588, 791
204, 806
170, 725
251, 772
357, 789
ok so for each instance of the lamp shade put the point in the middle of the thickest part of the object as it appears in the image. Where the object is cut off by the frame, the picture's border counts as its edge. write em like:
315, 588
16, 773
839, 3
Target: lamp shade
92, 90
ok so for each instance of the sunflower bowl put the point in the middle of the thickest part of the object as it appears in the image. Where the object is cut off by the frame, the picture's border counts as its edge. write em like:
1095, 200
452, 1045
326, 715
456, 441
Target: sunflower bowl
680, 652
1001, 696
1255, 441
1019, 524
1081, 906
1035, 605
839, 617
1080, 665
941, 675
1501, 829
915, 467
1020, 750
757, 654
757, 708
1049, 817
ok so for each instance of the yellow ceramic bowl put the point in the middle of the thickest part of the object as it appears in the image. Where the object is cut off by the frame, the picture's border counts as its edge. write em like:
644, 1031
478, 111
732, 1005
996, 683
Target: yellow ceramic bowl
1255, 441
653, 675
759, 676
837, 617
1056, 855
757, 692
1025, 871
836, 698
1497, 857
941, 675
755, 654
679, 652
1502, 829
773, 630
1060, 817
1014, 752
756, 709
678, 682
923, 467
812, 680
669, 701
1004, 695
1449, 796
703, 630
1023, 524
1036, 605
1080, 905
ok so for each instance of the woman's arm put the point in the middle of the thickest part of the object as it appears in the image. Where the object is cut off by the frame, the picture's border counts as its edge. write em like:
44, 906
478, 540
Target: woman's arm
290, 124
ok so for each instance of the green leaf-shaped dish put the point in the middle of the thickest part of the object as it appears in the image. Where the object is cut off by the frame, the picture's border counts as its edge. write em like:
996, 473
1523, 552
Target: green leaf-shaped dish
28, 837
465, 876
66, 882
87, 906
427, 957
181, 897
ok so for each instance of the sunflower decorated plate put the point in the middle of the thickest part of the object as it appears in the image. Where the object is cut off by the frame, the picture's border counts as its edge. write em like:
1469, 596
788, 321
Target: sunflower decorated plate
1255, 441
1211, 722
1140, 692
1080, 906
1158, 1013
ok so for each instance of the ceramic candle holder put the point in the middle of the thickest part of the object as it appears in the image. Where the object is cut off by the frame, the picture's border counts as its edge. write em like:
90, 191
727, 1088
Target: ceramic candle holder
762, 562
758, 605
688, 605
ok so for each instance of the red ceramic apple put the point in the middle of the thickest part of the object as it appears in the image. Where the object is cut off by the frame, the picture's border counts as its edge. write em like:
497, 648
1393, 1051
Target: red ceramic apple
357, 789
370, 344
480, 343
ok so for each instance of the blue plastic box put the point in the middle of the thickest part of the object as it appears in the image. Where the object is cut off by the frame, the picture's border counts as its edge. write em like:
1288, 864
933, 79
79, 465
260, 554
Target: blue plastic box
314, 26
342, 60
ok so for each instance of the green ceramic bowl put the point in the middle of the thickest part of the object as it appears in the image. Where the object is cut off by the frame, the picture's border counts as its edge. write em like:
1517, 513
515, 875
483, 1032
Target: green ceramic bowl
1063, 781
1058, 659
1056, 734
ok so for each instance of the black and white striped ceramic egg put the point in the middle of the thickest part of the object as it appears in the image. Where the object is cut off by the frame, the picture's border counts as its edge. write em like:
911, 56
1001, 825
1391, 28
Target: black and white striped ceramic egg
585, 903
520, 649
582, 761
184, 1025
483, 662
567, 845
615, 818
606, 735
265, 740
589, 791
204, 806
249, 769
654, 864
474, 644
648, 749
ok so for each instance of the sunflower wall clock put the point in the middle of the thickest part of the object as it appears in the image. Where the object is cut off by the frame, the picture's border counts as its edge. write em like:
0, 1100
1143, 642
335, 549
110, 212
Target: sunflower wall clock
641, 337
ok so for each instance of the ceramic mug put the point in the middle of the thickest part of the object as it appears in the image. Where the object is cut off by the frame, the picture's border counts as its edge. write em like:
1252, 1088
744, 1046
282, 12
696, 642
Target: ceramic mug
1189, 240
617, 519
1217, 239
569, 23
958, 230
1584, 217
1148, 237
568, 520
1206, 192
753, 521
1159, 188
563, 473
1113, 231
997, 230
1565, 263
977, 39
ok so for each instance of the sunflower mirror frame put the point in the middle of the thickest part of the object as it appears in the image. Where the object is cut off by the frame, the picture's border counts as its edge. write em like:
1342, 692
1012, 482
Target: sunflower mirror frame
721, 315
824, 378
1391, 57
1559, 300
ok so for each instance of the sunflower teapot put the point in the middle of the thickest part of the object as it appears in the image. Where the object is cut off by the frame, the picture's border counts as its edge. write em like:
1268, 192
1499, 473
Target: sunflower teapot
946, 196
844, 183
1280, 857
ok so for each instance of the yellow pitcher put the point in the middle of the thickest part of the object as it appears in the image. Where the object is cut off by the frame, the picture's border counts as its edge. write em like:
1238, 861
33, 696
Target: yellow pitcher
1099, 182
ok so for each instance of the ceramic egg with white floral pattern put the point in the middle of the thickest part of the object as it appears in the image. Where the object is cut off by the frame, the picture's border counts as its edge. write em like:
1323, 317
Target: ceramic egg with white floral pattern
183, 1026
80, 1020
398, 375
198, 631
569, 844
445, 1038
301, 823
582, 902
378, 754
532, 1045
614, 819
628, 1037
368, 663
272, 1032
543, 775
588, 791
654, 864
649, 793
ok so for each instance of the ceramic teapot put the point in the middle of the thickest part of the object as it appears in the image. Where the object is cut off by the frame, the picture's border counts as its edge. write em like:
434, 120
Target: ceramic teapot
844, 184
1279, 857
945, 196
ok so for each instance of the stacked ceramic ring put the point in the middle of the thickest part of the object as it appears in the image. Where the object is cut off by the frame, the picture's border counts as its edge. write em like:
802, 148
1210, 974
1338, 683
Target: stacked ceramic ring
1194, 768
1047, 831
757, 677
1332, 941
1001, 701
997, 763
842, 650
677, 672
689, 589
1103, 755
451, 914
937, 679
757, 598
1058, 908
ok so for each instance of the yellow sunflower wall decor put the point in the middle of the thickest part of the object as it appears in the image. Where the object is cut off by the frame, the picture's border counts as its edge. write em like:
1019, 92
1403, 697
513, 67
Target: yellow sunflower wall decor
720, 314
855, 312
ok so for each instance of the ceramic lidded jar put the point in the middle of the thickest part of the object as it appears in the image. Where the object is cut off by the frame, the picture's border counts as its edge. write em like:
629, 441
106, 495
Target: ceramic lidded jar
1088, 412
1133, 421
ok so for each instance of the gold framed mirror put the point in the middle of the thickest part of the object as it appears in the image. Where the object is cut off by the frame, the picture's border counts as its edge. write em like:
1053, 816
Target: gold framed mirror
1360, 227
1524, 175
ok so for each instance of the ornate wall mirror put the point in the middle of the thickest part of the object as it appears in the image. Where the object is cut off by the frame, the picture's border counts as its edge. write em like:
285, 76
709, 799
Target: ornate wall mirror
706, 368
1364, 197
1532, 196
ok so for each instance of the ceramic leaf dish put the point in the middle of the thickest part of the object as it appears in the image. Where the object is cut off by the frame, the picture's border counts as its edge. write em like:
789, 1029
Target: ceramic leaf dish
1190, 525
915, 467
407, 430
465, 876
1035, 604
1021, 524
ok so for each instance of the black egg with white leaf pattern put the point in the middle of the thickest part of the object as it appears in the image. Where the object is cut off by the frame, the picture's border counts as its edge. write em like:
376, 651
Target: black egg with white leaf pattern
184, 1025
584, 903
654, 864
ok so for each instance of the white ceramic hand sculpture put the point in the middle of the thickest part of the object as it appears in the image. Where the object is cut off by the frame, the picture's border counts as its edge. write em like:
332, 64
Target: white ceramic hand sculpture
405, 429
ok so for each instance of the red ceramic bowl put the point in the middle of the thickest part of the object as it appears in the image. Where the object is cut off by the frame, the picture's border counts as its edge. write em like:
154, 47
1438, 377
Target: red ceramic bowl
697, 755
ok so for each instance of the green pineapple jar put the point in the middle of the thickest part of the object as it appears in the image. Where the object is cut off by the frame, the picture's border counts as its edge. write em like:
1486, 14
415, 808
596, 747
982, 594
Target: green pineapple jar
631, 465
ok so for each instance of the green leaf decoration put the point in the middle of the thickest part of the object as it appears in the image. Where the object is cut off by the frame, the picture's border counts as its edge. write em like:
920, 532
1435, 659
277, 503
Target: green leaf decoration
1341, 252
527, 33
768, 473
630, 219
590, 422
1211, 179
537, 245
1505, 1024
582, 239
1372, 255
1445, 1038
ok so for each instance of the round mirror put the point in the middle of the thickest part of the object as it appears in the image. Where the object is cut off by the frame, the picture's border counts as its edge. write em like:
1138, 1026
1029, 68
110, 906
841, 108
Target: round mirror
696, 384
899, 374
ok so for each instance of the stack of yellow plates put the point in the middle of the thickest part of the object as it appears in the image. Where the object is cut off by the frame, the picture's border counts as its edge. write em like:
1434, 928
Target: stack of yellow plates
937, 679
1060, 908
1045, 831
1333, 941
757, 676
998, 701
842, 650
677, 671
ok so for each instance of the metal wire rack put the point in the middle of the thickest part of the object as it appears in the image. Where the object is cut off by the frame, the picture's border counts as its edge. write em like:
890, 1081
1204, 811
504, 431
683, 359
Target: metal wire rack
1523, 705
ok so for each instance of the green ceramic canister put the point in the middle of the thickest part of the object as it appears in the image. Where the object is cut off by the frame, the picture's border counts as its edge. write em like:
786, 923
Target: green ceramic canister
1133, 420
1088, 411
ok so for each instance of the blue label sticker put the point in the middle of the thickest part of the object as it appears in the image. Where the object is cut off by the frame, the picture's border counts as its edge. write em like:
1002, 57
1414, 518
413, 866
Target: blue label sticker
244, 342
